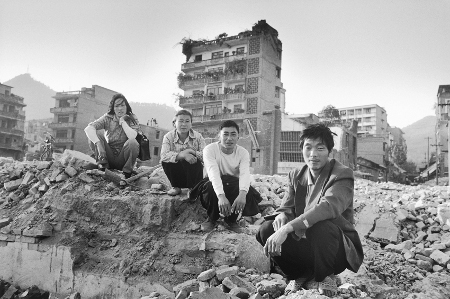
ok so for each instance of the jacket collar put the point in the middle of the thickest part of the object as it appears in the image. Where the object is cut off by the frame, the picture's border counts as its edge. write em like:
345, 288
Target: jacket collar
191, 135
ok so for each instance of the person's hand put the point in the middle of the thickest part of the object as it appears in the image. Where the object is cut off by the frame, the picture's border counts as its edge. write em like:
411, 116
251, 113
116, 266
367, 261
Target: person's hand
274, 242
224, 205
239, 203
188, 155
192, 159
100, 150
279, 221
124, 118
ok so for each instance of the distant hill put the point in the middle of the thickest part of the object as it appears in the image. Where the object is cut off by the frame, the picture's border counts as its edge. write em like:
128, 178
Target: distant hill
37, 96
415, 136
39, 100
146, 111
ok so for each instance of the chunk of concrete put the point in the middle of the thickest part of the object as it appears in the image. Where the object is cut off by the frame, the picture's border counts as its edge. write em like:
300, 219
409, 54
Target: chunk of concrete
385, 229
12, 185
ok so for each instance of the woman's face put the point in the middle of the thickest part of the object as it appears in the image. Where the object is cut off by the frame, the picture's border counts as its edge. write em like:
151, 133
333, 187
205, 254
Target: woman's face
183, 123
120, 108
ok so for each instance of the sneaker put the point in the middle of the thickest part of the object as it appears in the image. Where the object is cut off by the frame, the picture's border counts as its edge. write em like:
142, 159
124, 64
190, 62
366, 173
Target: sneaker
128, 175
327, 287
208, 225
296, 284
174, 191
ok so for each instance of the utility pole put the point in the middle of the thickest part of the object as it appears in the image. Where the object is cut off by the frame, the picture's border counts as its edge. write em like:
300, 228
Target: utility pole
437, 160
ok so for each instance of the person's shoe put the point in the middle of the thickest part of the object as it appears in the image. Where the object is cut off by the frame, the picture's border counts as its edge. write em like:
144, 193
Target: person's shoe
208, 226
234, 226
297, 284
174, 191
128, 175
327, 287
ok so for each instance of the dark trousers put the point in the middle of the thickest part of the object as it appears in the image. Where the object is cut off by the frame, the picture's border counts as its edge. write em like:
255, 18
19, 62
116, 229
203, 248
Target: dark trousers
183, 174
321, 254
210, 201
124, 160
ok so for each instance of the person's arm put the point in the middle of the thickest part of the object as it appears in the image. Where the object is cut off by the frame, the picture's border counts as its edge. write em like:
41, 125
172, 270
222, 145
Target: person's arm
130, 125
167, 155
212, 168
334, 202
201, 146
93, 127
244, 170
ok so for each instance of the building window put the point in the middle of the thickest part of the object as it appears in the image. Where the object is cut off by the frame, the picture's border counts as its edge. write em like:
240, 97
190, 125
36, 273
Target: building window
198, 58
358, 111
367, 110
277, 92
213, 109
156, 151
74, 118
214, 90
218, 54
64, 103
71, 147
351, 112
237, 108
239, 88
240, 50
227, 54
367, 119
73, 133
6, 92
157, 134
197, 92
61, 134
63, 118
278, 72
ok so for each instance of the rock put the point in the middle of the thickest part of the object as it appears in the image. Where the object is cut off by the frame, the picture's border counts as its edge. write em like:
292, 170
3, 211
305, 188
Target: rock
43, 165
12, 185
27, 178
440, 257
188, 286
76, 159
61, 177
239, 292
207, 275
225, 272
400, 247
5, 221
273, 288
70, 171
86, 178
385, 229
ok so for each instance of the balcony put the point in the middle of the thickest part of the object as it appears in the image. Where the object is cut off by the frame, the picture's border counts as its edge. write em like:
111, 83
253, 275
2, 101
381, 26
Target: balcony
187, 82
12, 131
64, 140
13, 99
12, 114
197, 100
210, 62
230, 97
218, 117
62, 125
63, 109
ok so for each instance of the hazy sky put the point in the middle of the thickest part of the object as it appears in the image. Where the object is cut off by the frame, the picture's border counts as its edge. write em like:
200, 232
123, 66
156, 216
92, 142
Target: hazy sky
345, 53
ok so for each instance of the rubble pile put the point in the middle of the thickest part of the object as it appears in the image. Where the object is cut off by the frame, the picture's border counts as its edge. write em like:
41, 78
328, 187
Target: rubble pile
136, 232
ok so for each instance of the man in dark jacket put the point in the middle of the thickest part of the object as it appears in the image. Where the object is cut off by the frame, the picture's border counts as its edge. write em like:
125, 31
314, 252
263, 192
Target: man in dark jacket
312, 237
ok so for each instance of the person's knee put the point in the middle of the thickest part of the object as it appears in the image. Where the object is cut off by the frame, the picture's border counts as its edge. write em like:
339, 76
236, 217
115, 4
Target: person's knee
325, 230
264, 232
132, 144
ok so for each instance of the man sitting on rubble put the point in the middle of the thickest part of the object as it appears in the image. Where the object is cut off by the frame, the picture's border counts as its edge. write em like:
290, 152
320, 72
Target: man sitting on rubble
227, 189
311, 236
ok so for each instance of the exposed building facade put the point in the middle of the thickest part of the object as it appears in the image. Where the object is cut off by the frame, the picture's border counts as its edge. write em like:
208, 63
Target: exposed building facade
237, 78
73, 111
443, 128
35, 133
372, 119
12, 119
374, 148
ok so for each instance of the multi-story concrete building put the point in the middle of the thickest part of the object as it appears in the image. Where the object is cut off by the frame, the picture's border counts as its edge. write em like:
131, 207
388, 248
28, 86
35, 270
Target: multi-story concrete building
238, 78
12, 118
372, 119
155, 137
35, 133
442, 136
73, 111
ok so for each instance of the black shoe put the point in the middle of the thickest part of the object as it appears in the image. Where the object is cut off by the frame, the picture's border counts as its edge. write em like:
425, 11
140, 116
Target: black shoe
128, 175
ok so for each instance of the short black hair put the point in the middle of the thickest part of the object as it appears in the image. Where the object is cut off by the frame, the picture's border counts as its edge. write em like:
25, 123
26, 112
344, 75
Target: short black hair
228, 124
318, 131
114, 99
183, 112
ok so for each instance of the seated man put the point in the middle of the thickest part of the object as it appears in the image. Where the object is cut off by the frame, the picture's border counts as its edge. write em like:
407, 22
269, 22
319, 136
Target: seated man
227, 189
312, 236
119, 150
182, 154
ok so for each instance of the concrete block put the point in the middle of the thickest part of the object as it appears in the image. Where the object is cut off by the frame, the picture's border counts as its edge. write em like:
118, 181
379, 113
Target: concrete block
7, 237
385, 229
54, 174
5, 221
12, 185
44, 165
61, 177
71, 171
3, 243
42, 230
25, 239
17, 231
86, 178
43, 188
242, 283
207, 275
226, 272
440, 257
44, 247
27, 178
189, 286
33, 246
47, 181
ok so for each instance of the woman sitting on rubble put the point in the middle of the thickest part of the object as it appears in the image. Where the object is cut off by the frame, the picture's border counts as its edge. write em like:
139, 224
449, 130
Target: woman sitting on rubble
181, 154
117, 147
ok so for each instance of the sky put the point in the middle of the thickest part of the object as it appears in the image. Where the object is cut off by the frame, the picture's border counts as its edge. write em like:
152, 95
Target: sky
394, 53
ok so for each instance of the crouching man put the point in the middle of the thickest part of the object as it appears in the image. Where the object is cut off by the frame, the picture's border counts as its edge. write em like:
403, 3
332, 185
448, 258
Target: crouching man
311, 236
227, 189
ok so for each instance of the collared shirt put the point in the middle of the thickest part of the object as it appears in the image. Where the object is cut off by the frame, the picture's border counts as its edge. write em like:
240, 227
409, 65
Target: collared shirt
114, 133
172, 145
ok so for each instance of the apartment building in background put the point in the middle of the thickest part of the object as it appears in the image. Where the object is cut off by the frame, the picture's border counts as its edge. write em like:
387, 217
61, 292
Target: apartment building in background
237, 78
372, 119
12, 119
73, 111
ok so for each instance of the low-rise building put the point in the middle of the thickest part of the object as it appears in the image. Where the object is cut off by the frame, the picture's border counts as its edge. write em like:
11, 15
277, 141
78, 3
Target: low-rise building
73, 111
372, 119
12, 119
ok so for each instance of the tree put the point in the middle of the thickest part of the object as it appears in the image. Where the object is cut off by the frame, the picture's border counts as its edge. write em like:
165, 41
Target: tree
330, 114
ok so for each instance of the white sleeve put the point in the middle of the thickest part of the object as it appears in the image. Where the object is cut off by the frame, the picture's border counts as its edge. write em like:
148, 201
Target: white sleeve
212, 168
130, 132
244, 170
91, 134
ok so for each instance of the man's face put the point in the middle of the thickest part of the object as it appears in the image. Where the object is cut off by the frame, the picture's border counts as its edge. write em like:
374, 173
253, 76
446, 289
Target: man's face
228, 137
315, 153
120, 108
183, 123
